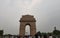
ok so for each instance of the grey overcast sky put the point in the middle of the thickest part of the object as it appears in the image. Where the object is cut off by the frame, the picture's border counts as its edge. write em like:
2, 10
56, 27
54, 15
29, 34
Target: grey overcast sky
46, 12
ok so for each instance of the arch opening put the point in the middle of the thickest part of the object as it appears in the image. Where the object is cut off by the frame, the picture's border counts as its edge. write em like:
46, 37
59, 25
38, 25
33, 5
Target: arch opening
27, 30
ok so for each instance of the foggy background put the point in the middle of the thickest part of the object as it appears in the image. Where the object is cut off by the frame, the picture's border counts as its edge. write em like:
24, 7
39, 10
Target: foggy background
46, 13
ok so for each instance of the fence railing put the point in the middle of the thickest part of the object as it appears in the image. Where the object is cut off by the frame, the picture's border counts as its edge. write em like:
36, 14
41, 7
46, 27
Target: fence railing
16, 36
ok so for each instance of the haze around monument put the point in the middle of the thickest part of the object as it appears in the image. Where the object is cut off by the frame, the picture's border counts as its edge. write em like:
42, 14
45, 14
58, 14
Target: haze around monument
46, 12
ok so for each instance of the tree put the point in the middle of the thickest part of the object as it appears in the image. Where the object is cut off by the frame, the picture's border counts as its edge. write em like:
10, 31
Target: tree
1, 32
56, 32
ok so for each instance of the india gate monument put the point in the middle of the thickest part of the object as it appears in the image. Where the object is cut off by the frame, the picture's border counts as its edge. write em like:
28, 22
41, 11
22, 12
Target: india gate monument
27, 20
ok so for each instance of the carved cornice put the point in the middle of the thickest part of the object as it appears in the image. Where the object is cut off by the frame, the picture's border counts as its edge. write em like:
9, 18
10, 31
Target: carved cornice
27, 18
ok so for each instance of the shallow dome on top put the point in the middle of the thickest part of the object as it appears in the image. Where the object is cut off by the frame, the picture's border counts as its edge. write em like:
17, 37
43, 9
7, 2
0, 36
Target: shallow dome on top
27, 18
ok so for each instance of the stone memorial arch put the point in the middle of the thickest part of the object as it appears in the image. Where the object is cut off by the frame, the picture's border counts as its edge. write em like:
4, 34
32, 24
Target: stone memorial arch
27, 20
